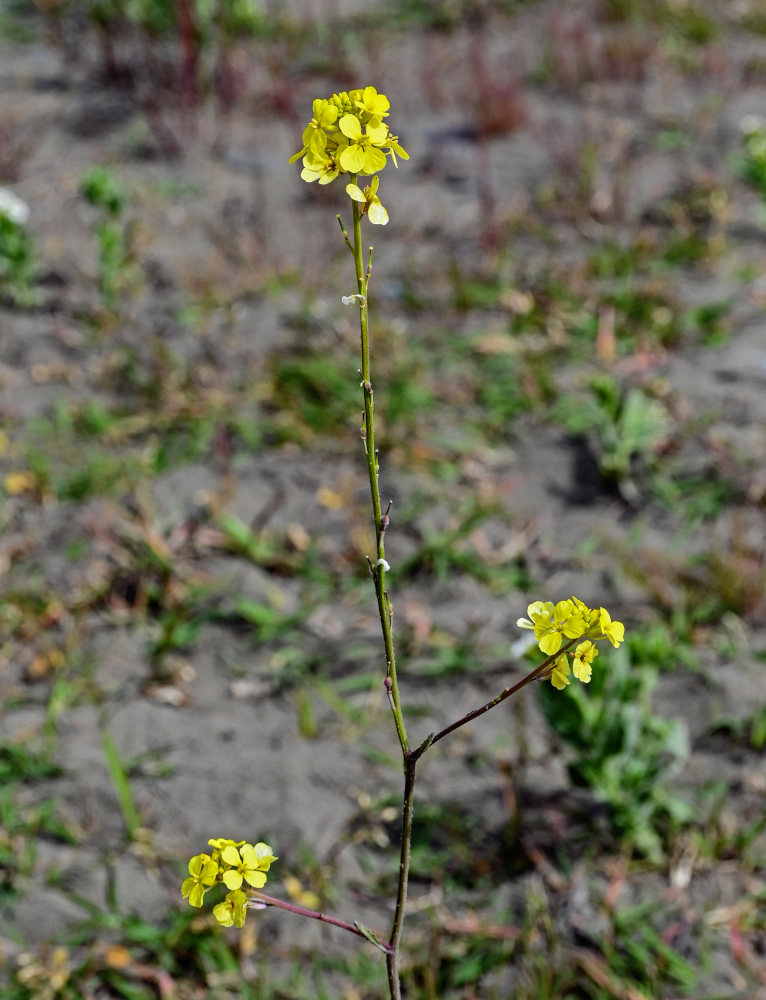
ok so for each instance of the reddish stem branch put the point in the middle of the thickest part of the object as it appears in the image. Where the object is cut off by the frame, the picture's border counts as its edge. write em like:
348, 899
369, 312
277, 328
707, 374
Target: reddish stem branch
505, 693
302, 911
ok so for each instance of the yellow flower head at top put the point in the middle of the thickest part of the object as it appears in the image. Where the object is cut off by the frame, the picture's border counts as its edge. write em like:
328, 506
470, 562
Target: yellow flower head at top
347, 135
560, 624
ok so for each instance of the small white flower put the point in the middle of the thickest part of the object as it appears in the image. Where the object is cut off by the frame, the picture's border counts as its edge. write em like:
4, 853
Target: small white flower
356, 299
521, 646
12, 207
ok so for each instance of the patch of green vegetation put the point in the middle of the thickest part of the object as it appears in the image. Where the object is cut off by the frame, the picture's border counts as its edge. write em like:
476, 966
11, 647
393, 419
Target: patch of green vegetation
625, 427
311, 392
753, 163
687, 21
73, 473
623, 750
638, 953
696, 498
23, 825
19, 763
17, 262
101, 188
661, 646
446, 551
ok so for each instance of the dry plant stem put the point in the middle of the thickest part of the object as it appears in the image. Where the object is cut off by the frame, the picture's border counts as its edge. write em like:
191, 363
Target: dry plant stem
303, 911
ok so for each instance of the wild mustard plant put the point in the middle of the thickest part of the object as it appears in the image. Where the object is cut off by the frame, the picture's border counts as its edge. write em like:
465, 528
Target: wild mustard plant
347, 137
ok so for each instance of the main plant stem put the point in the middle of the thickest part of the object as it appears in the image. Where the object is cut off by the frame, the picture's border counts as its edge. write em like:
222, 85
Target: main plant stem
385, 610
379, 566
392, 958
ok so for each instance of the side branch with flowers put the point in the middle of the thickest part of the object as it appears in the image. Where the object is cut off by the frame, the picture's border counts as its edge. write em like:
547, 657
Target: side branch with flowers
347, 136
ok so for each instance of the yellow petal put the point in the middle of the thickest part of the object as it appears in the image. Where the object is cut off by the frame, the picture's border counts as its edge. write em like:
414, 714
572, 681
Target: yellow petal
232, 879
377, 133
349, 126
230, 855
352, 158
373, 160
223, 913
550, 643
377, 214
355, 192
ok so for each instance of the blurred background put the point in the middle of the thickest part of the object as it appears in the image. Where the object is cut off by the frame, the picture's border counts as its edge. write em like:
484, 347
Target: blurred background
569, 356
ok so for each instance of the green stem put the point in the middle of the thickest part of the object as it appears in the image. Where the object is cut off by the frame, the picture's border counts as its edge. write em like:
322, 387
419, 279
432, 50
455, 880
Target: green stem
379, 567
385, 612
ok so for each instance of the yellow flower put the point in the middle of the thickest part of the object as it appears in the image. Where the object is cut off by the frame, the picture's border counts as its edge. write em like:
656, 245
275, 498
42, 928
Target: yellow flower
221, 842
614, 631
394, 148
374, 104
371, 204
568, 620
347, 136
362, 155
560, 672
322, 167
232, 909
203, 872
325, 116
540, 619
584, 656
248, 864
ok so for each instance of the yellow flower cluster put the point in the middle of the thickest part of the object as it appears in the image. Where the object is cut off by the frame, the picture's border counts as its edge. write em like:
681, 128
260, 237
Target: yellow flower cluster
230, 862
568, 620
347, 135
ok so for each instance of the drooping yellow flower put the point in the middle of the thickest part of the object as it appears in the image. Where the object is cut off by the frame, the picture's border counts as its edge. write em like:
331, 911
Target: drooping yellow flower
321, 167
232, 910
560, 672
541, 620
394, 149
584, 656
554, 623
248, 864
203, 872
371, 203
570, 619
614, 631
